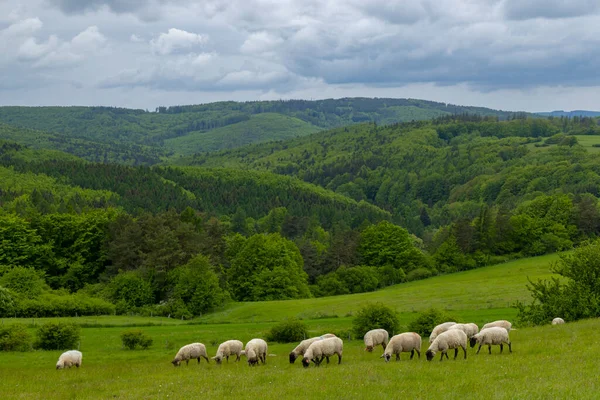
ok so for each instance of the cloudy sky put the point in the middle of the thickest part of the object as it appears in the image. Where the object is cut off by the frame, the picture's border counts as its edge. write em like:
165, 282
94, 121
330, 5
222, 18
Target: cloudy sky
532, 55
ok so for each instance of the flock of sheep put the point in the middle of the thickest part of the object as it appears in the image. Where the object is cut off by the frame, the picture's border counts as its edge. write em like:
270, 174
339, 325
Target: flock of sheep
444, 337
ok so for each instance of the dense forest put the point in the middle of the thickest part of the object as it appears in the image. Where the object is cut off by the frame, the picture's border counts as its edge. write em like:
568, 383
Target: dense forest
139, 137
347, 210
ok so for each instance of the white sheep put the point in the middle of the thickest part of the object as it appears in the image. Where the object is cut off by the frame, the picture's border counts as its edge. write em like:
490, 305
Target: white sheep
229, 348
558, 321
301, 348
256, 350
451, 339
69, 358
404, 342
469, 329
321, 349
500, 323
190, 351
495, 335
439, 329
376, 337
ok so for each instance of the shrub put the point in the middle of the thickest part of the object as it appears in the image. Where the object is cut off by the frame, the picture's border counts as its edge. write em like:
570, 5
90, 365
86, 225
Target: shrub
134, 338
375, 315
55, 305
57, 336
418, 274
15, 338
290, 330
24, 280
427, 320
7, 302
131, 290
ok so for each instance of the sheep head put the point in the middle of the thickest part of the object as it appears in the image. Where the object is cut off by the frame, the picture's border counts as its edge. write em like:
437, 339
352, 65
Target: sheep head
430, 354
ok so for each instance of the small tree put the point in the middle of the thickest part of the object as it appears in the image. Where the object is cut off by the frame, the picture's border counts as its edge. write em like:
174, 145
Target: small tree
427, 320
14, 338
373, 316
575, 296
134, 338
288, 331
57, 336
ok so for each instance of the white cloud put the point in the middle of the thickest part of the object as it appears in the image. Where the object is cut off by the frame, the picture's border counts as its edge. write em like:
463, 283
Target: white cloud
135, 38
260, 42
176, 40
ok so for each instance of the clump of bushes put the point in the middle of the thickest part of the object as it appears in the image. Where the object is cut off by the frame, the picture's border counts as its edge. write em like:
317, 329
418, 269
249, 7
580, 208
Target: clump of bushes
427, 320
15, 338
290, 330
373, 316
135, 338
57, 336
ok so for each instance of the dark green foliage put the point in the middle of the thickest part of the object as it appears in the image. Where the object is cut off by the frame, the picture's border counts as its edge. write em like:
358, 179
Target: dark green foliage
347, 280
15, 337
574, 296
135, 338
8, 302
128, 290
57, 336
375, 316
428, 320
288, 331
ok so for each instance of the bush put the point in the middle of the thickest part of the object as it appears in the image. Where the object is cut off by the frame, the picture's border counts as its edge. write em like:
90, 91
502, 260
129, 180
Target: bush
25, 281
418, 274
7, 303
55, 305
373, 316
57, 336
15, 338
290, 330
427, 320
134, 338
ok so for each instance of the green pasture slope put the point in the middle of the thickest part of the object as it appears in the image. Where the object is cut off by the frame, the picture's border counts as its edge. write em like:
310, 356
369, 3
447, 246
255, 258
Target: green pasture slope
547, 361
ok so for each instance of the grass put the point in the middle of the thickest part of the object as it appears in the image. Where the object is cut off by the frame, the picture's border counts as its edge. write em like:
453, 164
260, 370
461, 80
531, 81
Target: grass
558, 360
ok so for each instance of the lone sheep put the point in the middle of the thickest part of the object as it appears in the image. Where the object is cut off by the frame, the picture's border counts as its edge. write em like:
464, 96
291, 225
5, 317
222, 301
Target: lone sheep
229, 348
374, 338
68, 359
321, 349
558, 321
303, 346
404, 342
190, 351
451, 339
256, 350
495, 335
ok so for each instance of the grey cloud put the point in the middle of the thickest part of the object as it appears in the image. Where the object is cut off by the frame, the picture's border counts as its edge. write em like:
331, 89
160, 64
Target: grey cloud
552, 9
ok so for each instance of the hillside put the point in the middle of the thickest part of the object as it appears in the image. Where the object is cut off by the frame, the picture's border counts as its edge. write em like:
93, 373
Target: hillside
141, 137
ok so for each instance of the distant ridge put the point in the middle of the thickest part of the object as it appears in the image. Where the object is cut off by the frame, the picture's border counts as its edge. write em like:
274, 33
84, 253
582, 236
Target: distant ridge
574, 113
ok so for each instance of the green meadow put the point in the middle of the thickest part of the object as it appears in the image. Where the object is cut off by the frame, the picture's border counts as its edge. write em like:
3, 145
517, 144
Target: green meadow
547, 361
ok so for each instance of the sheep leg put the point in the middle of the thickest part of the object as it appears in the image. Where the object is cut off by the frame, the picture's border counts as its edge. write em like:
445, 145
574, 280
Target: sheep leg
237, 358
187, 362
501, 348
490, 348
442, 357
455, 353
227, 357
465, 350
397, 356
340, 358
383, 345
419, 353
510, 347
412, 354
479, 348
198, 359
327, 359
446, 353
206, 358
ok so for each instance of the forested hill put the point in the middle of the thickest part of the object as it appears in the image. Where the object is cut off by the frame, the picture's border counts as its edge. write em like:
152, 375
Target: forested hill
141, 137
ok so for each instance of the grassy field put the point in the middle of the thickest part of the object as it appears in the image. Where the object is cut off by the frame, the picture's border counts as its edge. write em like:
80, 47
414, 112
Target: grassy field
547, 362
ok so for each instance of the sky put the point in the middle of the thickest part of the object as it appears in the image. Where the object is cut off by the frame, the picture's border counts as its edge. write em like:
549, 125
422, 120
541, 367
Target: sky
529, 55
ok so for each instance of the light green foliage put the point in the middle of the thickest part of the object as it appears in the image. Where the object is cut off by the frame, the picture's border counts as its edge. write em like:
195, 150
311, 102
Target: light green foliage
57, 336
21, 244
288, 331
134, 338
25, 281
15, 337
268, 267
574, 296
128, 290
197, 285
375, 316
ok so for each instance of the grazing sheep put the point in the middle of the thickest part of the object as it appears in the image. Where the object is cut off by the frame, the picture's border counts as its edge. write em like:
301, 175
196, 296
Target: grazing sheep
469, 329
501, 323
451, 339
376, 337
558, 321
68, 359
189, 351
301, 348
256, 350
439, 329
404, 342
321, 349
227, 349
491, 336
